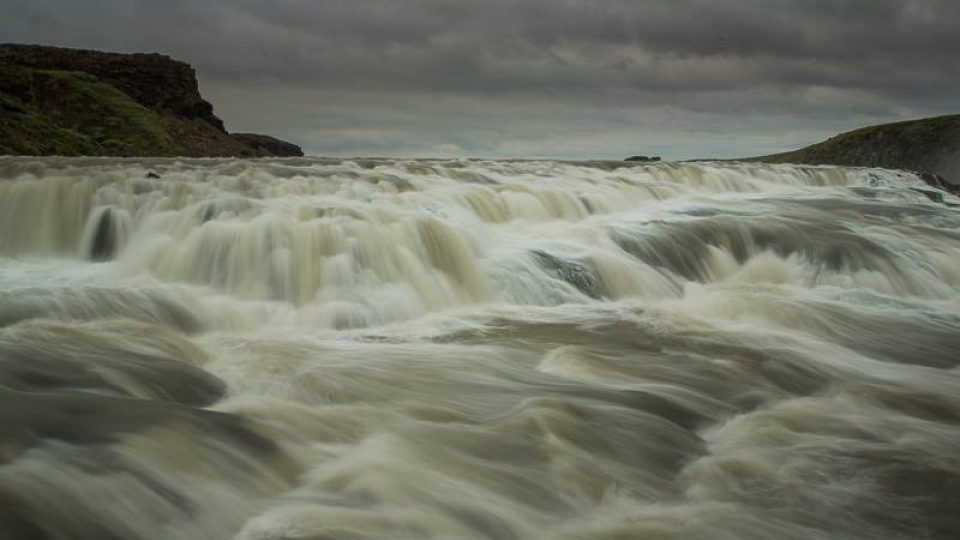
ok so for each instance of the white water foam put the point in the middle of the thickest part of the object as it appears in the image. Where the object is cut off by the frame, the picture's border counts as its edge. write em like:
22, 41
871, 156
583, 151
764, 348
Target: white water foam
360, 349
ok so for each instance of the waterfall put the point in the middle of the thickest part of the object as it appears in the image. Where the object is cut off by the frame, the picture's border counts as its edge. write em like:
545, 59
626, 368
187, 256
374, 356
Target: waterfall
377, 348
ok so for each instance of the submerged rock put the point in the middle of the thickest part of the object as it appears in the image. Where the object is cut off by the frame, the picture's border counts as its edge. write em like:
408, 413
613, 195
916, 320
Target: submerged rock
104, 244
573, 272
939, 182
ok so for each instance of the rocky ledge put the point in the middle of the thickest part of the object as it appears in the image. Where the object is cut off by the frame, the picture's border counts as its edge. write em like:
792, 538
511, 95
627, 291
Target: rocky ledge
928, 146
72, 102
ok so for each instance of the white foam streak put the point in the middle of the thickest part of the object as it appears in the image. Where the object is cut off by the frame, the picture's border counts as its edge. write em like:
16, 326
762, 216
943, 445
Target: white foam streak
476, 349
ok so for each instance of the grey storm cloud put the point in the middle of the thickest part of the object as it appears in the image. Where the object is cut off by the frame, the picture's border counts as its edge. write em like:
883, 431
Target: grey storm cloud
565, 78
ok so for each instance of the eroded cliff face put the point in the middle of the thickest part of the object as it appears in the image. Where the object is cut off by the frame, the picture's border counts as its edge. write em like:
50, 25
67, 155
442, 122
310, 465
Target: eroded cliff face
155, 81
77, 102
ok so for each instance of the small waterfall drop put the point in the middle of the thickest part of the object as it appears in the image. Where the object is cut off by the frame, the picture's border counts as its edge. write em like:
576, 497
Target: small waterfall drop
367, 349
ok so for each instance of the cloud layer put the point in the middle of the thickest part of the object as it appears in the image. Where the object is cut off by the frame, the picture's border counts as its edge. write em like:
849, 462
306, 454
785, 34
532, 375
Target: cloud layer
560, 78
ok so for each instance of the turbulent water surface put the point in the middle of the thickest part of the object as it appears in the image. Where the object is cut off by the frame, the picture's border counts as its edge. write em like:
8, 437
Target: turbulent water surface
373, 349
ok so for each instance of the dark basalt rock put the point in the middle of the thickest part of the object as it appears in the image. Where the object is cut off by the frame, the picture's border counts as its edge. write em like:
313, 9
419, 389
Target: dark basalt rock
573, 272
939, 182
267, 146
104, 245
934, 196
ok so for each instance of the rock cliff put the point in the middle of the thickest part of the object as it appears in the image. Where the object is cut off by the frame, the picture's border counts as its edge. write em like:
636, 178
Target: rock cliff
56, 101
930, 146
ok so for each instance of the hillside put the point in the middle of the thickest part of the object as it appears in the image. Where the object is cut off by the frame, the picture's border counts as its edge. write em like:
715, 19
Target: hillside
929, 145
72, 102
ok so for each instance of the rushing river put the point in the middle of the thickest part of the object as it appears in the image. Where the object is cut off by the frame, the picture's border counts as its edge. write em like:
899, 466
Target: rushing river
385, 349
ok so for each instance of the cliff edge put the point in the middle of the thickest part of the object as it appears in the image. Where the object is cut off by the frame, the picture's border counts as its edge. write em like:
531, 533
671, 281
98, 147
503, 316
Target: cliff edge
930, 146
56, 101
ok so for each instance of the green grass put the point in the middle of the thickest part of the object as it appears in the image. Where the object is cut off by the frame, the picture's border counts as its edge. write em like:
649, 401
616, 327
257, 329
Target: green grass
73, 113
25, 132
896, 139
110, 118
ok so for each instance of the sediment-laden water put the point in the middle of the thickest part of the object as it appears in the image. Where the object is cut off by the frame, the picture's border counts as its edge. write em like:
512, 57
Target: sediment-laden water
379, 349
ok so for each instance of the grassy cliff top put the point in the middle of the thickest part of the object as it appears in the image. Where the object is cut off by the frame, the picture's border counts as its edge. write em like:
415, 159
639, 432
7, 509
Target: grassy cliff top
929, 145
72, 102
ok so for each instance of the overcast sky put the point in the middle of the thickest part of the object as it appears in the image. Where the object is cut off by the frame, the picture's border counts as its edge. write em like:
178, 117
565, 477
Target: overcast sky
536, 78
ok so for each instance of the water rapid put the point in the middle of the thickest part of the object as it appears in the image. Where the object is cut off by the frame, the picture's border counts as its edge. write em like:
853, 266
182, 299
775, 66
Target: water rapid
462, 349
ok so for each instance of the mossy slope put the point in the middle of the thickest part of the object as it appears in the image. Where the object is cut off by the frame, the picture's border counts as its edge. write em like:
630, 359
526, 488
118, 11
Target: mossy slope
73, 113
929, 145
72, 102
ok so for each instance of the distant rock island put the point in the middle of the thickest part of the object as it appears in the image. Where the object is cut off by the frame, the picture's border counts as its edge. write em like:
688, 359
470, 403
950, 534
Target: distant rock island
929, 146
72, 102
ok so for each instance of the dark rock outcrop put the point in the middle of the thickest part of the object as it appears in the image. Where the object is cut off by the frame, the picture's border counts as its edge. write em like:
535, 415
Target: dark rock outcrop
104, 245
930, 146
56, 101
153, 80
268, 146
643, 159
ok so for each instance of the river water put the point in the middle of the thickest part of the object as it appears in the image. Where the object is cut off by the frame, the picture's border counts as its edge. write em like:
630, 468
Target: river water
453, 349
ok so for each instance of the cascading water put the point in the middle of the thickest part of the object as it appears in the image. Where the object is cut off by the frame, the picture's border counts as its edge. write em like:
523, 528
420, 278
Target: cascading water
376, 349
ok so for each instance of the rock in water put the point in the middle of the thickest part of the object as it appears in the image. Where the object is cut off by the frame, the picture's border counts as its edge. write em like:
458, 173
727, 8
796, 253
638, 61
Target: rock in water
104, 245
